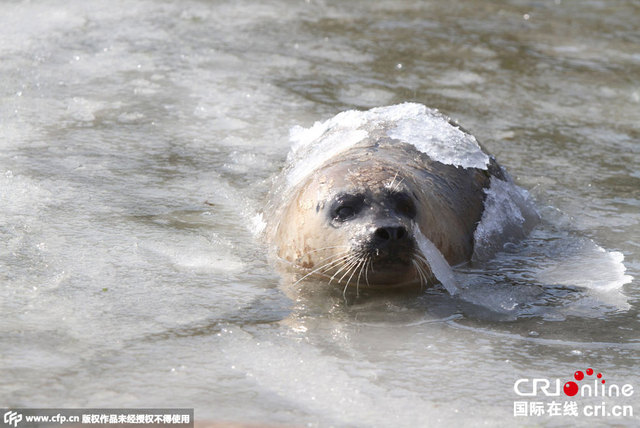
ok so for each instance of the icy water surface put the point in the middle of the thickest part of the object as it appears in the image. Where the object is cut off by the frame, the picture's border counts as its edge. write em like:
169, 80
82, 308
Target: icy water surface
137, 145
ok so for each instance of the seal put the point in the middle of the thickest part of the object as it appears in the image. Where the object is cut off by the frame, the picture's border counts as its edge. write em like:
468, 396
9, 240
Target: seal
364, 195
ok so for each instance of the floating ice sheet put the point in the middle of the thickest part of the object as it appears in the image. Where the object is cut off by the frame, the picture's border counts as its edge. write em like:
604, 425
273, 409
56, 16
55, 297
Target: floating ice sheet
590, 267
551, 273
544, 263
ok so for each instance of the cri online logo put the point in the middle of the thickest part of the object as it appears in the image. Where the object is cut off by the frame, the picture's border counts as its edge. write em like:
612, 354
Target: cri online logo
597, 388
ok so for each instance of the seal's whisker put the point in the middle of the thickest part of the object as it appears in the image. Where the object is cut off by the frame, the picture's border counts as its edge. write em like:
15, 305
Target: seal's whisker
425, 281
421, 274
355, 268
426, 270
390, 185
339, 255
352, 262
347, 263
398, 185
422, 259
352, 269
362, 266
366, 270
417, 268
326, 266
344, 258
424, 266
325, 248
342, 262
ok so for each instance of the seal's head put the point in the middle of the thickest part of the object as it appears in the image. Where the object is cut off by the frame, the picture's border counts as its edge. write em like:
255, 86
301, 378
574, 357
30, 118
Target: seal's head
353, 223
383, 198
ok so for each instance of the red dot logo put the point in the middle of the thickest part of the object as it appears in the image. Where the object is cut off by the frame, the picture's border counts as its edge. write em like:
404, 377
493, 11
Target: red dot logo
571, 388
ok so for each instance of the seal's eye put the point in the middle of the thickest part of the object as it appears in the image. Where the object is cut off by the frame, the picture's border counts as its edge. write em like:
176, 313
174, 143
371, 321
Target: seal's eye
405, 205
344, 212
346, 206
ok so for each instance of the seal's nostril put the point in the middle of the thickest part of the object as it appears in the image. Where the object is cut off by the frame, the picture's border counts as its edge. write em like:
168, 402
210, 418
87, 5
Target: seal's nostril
390, 233
383, 233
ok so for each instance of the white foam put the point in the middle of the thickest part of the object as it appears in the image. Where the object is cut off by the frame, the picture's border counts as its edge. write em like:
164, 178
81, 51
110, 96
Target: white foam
258, 224
438, 264
427, 130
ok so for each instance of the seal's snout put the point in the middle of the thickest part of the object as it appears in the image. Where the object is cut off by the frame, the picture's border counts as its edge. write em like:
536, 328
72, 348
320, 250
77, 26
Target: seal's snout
387, 235
391, 244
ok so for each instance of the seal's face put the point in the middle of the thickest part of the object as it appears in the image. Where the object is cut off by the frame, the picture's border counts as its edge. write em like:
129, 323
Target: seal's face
355, 226
378, 224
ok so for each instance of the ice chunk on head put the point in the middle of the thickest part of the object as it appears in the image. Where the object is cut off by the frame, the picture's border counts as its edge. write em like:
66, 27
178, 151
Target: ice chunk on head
427, 130
432, 133
314, 156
